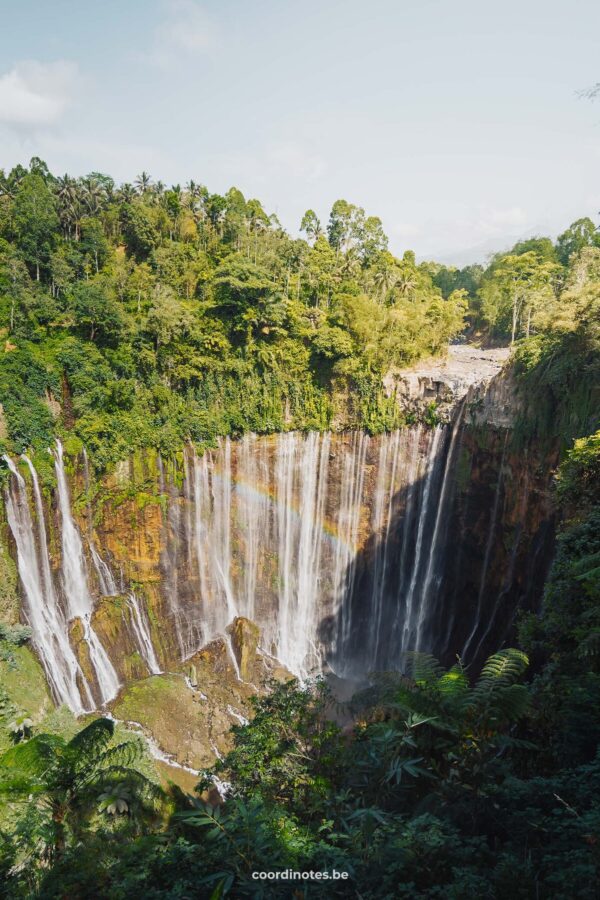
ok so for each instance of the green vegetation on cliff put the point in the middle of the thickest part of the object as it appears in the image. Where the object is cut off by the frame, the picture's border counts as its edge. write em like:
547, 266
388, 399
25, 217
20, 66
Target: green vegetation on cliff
147, 316
144, 316
559, 367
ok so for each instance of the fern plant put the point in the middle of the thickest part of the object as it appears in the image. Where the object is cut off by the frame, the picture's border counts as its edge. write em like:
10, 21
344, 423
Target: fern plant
431, 729
63, 778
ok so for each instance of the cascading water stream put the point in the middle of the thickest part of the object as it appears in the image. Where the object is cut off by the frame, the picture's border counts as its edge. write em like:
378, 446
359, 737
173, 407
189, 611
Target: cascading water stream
80, 604
433, 572
348, 530
382, 520
142, 634
48, 623
412, 610
106, 580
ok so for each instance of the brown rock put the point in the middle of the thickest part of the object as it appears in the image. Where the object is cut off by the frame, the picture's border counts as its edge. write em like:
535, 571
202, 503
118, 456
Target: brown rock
244, 639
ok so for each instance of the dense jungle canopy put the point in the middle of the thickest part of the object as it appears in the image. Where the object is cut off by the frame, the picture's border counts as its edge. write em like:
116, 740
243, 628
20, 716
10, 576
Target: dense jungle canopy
156, 315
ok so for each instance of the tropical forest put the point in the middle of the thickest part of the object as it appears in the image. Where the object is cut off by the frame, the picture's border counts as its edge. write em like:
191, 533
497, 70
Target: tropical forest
299, 553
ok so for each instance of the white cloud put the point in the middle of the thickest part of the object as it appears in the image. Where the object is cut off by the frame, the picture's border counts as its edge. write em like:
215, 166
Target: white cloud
34, 93
187, 27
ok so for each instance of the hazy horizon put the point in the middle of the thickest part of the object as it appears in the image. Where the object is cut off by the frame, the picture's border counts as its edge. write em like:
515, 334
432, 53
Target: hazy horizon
459, 126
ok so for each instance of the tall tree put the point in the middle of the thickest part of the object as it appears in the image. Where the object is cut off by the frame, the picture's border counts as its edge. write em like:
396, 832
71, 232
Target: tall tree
311, 225
581, 233
36, 221
516, 289
96, 309
142, 183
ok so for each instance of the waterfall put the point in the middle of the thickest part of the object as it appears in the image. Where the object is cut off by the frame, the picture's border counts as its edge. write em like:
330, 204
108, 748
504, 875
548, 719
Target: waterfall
488, 552
273, 529
433, 573
79, 600
301, 485
253, 469
392, 605
411, 477
50, 633
141, 630
201, 537
409, 635
382, 521
335, 545
106, 579
352, 481
221, 531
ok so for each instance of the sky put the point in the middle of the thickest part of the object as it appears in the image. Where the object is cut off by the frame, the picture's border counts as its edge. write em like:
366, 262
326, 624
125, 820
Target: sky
457, 122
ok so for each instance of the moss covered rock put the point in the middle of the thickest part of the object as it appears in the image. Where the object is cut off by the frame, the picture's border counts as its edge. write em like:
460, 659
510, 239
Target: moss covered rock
23, 688
190, 712
9, 596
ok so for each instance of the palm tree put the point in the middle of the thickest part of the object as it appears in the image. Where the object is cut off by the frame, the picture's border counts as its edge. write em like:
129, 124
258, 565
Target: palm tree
66, 777
68, 202
126, 192
93, 195
7, 189
350, 266
9, 184
384, 279
406, 282
143, 182
193, 196
192, 189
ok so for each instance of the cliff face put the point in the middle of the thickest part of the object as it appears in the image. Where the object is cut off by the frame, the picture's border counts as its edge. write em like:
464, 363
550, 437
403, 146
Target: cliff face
501, 540
466, 372
291, 553
461, 532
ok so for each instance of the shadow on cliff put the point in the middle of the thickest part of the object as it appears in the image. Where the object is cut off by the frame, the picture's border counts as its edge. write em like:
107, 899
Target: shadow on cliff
483, 557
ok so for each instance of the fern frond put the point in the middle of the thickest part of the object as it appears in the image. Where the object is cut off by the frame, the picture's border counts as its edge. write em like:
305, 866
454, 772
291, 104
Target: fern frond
92, 739
423, 668
124, 754
453, 683
141, 785
511, 702
19, 784
503, 667
34, 756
